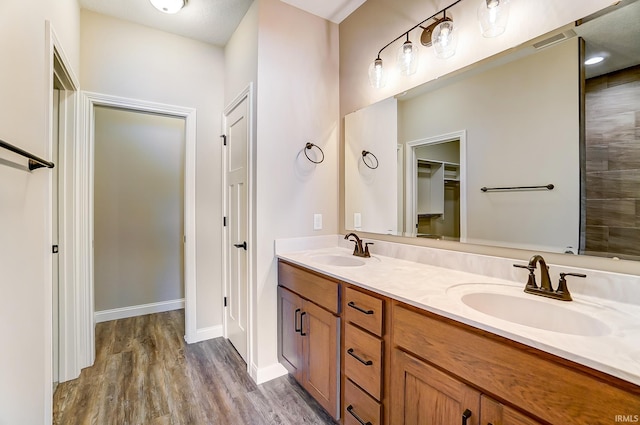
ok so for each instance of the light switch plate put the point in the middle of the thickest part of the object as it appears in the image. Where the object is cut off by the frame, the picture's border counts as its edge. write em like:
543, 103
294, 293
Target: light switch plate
317, 222
357, 220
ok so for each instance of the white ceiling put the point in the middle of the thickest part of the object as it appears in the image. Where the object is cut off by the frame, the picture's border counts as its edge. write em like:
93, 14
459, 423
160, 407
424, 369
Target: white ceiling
614, 36
211, 21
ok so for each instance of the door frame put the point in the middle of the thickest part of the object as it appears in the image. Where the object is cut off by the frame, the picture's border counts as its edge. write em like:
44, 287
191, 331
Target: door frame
57, 62
247, 94
411, 169
86, 176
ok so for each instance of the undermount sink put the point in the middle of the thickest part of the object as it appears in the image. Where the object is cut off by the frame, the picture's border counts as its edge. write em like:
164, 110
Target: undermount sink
338, 260
500, 301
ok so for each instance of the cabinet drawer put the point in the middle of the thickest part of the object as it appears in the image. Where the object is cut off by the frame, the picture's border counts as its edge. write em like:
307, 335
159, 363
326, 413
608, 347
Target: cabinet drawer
357, 404
363, 360
318, 289
364, 310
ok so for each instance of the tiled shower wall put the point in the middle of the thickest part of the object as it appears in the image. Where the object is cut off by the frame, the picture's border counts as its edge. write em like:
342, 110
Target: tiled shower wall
613, 163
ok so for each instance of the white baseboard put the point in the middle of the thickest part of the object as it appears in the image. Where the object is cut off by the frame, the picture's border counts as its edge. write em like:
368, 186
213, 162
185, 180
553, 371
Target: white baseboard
138, 310
265, 374
205, 334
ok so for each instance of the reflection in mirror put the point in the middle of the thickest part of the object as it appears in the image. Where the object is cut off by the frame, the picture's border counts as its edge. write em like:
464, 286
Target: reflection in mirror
519, 116
611, 200
433, 187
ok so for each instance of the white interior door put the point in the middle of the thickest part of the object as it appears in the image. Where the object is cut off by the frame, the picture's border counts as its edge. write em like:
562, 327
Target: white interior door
236, 193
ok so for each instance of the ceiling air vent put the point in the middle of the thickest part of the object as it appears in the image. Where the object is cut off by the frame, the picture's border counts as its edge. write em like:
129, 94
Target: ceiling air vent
554, 39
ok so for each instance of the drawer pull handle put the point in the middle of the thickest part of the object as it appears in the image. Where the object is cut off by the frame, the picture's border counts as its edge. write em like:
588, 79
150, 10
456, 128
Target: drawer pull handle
362, 310
301, 325
298, 329
466, 415
358, 418
358, 358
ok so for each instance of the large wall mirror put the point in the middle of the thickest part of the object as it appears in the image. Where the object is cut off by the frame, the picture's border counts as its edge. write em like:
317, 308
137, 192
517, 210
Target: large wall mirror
531, 149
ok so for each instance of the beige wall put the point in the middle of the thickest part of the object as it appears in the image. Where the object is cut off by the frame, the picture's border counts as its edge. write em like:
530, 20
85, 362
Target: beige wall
138, 208
124, 59
241, 56
297, 102
522, 128
25, 251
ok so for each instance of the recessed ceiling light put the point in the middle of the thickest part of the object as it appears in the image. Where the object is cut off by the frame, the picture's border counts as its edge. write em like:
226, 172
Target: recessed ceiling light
168, 6
594, 60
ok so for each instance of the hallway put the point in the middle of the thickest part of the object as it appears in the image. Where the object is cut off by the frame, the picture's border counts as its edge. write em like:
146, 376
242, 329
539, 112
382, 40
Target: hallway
145, 374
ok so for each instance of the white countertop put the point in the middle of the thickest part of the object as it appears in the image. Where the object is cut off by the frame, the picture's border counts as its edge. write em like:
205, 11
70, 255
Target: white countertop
438, 290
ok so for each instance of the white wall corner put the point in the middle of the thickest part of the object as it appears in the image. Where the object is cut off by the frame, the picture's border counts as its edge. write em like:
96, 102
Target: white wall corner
265, 374
205, 334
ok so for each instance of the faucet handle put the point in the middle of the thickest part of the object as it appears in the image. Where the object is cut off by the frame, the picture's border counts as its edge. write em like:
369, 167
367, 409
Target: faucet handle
562, 285
366, 249
531, 281
356, 248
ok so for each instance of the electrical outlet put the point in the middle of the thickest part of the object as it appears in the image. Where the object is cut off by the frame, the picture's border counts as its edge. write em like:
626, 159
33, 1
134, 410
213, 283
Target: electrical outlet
317, 222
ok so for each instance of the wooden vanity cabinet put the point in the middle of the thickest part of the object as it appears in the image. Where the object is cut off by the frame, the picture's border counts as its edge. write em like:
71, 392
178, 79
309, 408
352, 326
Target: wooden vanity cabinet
494, 413
309, 332
446, 367
364, 353
426, 395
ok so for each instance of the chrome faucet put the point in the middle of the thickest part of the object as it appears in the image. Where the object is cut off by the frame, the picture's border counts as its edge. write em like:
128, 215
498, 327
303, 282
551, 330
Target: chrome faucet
359, 251
545, 289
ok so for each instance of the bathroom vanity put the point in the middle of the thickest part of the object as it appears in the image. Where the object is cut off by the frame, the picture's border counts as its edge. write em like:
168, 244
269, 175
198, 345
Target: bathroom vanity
390, 341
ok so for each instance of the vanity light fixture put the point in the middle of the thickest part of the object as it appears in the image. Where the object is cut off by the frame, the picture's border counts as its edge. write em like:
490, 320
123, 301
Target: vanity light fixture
169, 6
493, 16
377, 76
408, 57
441, 34
444, 38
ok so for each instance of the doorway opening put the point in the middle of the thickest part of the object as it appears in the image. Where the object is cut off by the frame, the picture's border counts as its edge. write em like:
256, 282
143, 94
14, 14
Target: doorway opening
138, 221
435, 198
143, 156
62, 112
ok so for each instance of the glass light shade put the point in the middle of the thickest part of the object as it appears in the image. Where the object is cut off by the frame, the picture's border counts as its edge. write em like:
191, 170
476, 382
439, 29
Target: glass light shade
408, 58
168, 6
444, 39
493, 16
377, 76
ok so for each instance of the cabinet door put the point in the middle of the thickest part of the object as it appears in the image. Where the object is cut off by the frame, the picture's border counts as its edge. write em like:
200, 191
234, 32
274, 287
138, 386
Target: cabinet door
290, 310
494, 413
320, 346
422, 395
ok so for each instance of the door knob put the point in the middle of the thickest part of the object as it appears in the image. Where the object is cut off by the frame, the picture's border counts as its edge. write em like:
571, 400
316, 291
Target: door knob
242, 245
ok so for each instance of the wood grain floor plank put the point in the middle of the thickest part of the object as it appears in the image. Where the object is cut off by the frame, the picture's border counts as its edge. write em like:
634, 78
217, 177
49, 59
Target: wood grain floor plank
145, 374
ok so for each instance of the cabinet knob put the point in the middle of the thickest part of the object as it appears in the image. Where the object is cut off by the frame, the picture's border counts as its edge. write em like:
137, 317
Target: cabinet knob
466, 415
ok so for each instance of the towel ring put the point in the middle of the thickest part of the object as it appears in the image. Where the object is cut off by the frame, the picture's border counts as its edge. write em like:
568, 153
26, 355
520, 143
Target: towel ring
309, 146
364, 155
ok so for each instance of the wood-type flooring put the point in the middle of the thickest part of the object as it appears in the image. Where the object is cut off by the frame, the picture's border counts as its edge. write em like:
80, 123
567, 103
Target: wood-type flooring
145, 374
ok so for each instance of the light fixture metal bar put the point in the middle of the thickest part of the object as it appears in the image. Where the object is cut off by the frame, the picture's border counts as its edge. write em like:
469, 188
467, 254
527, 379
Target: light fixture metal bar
417, 25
